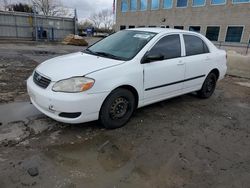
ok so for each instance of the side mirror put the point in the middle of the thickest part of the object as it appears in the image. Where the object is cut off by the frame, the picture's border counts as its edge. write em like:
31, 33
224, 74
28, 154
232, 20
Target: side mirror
151, 58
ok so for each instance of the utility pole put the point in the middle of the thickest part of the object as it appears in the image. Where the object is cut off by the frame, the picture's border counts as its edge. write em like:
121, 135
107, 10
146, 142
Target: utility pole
76, 21
35, 21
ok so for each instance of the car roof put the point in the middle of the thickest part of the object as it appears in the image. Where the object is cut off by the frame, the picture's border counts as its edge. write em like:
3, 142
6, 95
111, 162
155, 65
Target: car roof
161, 30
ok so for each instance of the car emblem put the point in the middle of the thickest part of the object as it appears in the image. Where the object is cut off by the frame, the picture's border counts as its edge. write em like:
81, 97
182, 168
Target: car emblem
39, 77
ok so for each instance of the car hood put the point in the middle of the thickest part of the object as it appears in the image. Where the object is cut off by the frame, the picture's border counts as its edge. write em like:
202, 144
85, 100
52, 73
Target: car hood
75, 64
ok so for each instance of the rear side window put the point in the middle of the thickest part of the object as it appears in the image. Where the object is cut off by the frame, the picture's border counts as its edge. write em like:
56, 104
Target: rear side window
169, 46
194, 45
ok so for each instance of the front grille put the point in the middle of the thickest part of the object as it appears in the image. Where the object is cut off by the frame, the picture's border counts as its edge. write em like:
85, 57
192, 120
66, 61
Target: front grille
41, 80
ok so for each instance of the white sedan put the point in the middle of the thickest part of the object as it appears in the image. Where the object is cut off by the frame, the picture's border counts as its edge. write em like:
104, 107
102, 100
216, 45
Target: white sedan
127, 70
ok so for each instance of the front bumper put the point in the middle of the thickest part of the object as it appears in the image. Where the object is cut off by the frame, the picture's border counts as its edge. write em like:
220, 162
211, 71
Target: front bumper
53, 103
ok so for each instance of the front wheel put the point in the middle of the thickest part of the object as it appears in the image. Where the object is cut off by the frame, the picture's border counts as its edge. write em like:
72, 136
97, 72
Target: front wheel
208, 86
117, 109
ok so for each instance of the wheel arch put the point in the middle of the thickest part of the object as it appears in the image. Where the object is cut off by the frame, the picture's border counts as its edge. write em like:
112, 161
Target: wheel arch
133, 90
216, 72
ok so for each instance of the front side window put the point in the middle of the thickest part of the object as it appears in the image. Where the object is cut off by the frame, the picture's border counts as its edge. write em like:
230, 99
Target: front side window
155, 4
181, 3
194, 45
133, 5
167, 4
124, 5
218, 2
213, 33
198, 3
123, 45
144, 4
234, 34
169, 47
241, 1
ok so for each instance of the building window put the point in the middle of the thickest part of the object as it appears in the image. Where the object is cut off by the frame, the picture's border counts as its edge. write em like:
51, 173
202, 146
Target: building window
167, 26
181, 3
212, 33
178, 27
195, 29
240, 1
133, 5
131, 26
218, 2
144, 4
198, 3
151, 26
124, 6
122, 27
167, 4
155, 4
234, 34
141, 26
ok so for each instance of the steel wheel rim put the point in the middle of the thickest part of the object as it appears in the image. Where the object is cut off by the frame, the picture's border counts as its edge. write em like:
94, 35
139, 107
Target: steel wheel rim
210, 85
119, 108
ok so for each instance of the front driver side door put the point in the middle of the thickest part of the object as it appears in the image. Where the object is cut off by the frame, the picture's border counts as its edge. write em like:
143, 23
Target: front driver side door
163, 78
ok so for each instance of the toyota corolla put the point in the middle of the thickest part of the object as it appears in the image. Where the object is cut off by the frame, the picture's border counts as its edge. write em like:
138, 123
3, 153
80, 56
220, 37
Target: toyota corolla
127, 70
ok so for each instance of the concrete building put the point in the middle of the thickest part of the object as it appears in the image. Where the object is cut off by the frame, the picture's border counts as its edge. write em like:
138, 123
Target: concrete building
226, 21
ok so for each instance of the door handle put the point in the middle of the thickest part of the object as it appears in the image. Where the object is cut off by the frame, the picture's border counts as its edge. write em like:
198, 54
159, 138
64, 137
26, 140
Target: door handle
207, 59
180, 63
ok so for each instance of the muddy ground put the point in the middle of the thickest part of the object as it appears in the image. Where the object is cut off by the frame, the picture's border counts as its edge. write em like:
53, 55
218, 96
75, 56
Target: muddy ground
182, 142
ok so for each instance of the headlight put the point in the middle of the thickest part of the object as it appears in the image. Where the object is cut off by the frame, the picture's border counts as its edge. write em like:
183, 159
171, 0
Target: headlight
74, 85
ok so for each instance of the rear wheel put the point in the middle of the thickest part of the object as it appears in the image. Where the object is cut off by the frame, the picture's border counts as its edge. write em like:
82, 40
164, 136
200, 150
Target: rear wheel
208, 86
117, 109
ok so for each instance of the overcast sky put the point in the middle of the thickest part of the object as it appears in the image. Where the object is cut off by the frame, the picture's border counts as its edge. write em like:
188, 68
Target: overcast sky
84, 7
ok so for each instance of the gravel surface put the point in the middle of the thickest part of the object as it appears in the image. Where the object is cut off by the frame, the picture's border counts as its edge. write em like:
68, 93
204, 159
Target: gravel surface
181, 142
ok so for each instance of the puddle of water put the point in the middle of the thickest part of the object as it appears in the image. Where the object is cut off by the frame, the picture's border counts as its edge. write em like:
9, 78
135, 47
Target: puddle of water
244, 84
85, 162
17, 111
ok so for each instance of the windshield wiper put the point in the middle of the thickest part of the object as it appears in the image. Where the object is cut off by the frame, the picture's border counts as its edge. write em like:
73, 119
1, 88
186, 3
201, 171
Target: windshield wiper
90, 51
104, 54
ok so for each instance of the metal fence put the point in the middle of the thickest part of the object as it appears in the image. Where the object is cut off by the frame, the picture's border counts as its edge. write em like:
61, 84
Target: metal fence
28, 26
242, 48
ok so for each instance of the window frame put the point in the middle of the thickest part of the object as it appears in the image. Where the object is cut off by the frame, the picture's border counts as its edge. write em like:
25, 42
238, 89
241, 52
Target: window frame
130, 7
235, 3
141, 6
218, 4
195, 26
159, 3
219, 35
161, 37
127, 6
205, 1
181, 7
172, 2
183, 27
185, 54
242, 34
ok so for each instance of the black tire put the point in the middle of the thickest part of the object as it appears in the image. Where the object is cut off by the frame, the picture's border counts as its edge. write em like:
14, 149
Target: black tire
208, 86
117, 109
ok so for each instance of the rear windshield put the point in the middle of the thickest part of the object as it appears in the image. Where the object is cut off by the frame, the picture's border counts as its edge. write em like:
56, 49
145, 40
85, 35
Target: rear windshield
123, 45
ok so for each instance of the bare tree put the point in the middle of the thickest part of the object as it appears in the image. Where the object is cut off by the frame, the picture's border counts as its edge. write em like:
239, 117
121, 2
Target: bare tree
85, 24
6, 4
107, 19
48, 7
96, 19
103, 18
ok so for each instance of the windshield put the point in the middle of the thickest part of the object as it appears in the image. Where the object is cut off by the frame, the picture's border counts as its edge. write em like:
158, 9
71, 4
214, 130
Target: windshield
123, 45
